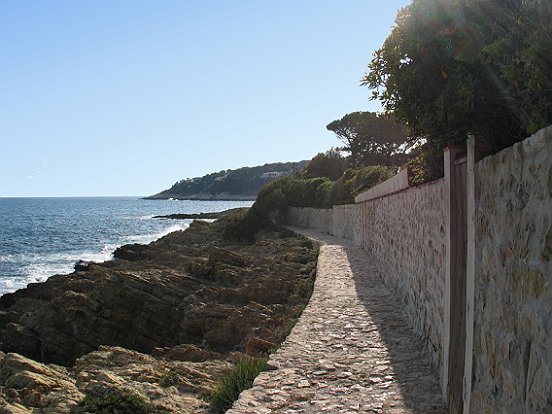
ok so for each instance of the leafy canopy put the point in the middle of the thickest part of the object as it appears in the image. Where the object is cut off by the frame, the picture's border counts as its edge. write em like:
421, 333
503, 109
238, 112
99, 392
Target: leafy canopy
372, 139
454, 67
329, 164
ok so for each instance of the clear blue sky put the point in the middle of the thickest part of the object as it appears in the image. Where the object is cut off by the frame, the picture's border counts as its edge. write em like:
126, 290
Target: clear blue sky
127, 97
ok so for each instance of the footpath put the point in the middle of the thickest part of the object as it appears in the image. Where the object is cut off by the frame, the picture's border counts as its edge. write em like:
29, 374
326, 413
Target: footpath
352, 350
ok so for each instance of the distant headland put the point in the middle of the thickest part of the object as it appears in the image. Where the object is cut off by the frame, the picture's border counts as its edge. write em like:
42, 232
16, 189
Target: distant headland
240, 184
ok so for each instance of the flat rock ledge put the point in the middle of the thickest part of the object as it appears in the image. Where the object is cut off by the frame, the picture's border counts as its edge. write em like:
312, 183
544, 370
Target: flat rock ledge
352, 350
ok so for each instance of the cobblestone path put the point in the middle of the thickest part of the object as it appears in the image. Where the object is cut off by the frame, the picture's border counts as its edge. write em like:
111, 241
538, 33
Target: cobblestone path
352, 350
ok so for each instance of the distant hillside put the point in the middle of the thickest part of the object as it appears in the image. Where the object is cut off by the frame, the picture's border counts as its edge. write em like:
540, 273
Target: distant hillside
241, 184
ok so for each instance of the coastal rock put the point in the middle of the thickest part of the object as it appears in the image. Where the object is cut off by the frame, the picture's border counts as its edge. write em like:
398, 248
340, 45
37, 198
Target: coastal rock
198, 216
31, 385
27, 386
160, 325
258, 346
186, 352
82, 266
131, 252
190, 287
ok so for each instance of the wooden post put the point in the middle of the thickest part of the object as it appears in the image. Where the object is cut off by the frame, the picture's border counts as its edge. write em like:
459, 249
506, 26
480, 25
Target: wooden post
470, 272
454, 332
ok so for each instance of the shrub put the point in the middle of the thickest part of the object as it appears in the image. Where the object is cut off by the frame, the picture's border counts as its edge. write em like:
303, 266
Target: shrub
329, 164
426, 165
355, 181
170, 379
240, 378
117, 403
241, 226
274, 198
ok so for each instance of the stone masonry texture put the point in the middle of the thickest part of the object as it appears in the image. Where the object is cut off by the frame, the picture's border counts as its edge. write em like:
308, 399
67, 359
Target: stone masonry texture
404, 235
312, 218
352, 351
512, 356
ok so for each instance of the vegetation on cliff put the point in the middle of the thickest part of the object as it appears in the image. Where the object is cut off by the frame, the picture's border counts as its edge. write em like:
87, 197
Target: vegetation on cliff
304, 190
242, 183
240, 378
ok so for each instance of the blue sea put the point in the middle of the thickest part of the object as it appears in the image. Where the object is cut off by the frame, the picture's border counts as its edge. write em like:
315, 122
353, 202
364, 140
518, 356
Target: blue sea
41, 237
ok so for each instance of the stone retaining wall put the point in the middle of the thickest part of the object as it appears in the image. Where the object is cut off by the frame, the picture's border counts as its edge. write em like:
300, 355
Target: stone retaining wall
404, 234
346, 219
512, 354
317, 219
509, 369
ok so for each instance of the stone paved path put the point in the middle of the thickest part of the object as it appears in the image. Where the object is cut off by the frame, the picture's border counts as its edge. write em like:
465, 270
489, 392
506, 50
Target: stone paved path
352, 350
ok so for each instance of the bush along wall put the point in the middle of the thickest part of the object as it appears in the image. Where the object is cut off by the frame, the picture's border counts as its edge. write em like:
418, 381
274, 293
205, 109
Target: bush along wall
296, 191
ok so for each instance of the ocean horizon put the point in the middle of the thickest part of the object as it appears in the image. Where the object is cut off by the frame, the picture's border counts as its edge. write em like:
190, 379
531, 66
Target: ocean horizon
44, 236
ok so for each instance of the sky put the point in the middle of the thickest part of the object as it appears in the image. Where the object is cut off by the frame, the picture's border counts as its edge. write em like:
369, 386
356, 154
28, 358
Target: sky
114, 98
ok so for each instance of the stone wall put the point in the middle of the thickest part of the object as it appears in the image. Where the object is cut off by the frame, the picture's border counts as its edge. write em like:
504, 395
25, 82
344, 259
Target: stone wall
346, 219
509, 343
512, 355
404, 234
305, 218
394, 184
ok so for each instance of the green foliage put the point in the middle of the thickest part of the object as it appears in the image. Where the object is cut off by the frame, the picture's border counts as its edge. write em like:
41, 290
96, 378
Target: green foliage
117, 403
311, 192
354, 181
170, 379
243, 181
242, 225
457, 67
372, 139
329, 164
237, 380
426, 164
274, 198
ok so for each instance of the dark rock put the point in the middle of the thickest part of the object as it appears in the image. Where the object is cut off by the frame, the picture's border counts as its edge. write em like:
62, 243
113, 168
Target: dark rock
131, 252
199, 216
82, 266
186, 352
257, 346
226, 256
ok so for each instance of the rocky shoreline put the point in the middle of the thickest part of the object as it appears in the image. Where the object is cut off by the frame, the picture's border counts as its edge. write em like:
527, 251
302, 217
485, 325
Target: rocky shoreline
162, 322
198, 216
204, 197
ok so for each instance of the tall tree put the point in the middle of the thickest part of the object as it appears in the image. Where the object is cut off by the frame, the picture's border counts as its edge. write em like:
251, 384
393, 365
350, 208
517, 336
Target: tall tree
329, 164
453, 67
372, 139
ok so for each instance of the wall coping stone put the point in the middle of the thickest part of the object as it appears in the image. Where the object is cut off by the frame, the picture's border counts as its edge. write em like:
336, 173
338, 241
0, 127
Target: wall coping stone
394, 184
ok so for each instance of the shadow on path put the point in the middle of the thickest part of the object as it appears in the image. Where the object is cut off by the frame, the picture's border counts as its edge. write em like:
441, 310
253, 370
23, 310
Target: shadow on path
352, 350
410, 365
416, 378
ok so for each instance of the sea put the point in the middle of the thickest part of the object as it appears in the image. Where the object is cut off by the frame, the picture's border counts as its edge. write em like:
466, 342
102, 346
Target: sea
41, 237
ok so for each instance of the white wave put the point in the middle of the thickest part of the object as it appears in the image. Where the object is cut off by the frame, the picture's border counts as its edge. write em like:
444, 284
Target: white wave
148, 238
39, 272
148, 217
105, 254
6, 258
38, 268
12, 284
